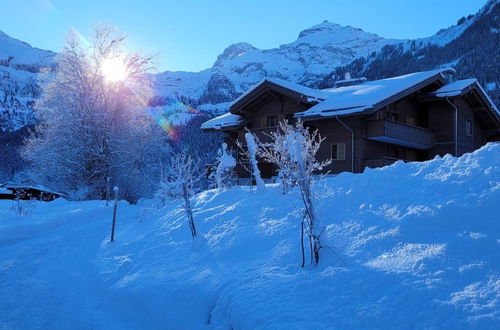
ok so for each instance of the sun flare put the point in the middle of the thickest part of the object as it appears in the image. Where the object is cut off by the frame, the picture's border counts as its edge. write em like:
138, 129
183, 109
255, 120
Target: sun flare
114, 69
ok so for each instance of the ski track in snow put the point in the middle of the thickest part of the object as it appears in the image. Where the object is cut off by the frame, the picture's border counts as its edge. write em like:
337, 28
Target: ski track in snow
419, 244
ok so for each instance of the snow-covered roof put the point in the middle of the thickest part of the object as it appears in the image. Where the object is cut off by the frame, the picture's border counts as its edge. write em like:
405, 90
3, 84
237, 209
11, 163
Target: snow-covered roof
370, 95
5, 191
351, 81
454, 89
461, 87
35, 187
221, 122
311, 93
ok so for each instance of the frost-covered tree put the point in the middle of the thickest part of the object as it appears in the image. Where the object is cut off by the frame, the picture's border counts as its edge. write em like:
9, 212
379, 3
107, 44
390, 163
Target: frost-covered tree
252, 155
181, 175
93, 124
191, 139
224, 168
293, 149
249, 152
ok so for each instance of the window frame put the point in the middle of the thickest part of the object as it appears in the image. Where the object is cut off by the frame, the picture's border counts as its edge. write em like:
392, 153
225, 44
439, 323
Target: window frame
340, 152
469, 129
273, 119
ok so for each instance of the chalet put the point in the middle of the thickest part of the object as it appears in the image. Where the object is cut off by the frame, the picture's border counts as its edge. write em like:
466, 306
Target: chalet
27, 192
413, 117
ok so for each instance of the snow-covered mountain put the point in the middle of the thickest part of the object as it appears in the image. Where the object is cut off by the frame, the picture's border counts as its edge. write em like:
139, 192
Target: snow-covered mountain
311, 59
470, 46
317, 51
19, 67
320, 55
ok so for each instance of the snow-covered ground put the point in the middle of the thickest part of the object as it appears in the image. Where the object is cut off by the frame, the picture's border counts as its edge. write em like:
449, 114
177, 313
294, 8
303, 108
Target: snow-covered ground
419, 245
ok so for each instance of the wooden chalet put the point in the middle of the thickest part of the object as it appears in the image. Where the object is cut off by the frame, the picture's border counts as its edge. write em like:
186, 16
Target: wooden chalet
413, 117
27, 192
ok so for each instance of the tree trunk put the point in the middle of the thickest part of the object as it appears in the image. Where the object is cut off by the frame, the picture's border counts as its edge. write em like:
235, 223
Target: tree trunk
189, 211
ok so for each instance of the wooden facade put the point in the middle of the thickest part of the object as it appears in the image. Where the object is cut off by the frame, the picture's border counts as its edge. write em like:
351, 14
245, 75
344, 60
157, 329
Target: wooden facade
414, 126
26, 192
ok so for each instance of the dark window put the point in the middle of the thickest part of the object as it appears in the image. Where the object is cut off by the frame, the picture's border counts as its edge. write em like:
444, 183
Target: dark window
272, 121
338, 151
392, 116
468, 127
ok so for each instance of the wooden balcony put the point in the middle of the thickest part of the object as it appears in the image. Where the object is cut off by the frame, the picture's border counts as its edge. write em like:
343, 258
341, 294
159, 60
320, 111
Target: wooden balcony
398, 133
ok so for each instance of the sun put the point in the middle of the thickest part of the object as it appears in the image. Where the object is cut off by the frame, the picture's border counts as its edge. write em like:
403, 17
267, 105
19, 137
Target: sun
114, 69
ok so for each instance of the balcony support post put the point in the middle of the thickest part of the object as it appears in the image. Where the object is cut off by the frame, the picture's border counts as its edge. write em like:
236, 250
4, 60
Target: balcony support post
352, 141
455, 119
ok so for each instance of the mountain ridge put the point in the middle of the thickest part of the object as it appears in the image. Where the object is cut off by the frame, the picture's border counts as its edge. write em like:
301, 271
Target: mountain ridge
321, 54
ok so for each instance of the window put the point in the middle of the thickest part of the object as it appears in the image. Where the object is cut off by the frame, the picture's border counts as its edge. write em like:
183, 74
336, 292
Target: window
272, 121
411, 121
468, 127
338, 151
392, 116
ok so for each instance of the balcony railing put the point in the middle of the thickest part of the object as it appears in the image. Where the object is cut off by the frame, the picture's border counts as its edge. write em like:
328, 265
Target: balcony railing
380, 162
400, 134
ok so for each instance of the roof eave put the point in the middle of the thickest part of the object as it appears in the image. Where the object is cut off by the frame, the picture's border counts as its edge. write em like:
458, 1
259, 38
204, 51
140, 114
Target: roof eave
221, 129
333, 115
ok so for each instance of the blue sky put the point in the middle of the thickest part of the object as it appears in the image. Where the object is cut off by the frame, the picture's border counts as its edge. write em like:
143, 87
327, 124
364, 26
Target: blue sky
188, 35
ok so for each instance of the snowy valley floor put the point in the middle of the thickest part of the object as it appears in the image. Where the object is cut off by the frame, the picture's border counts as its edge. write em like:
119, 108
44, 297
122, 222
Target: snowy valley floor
420, 245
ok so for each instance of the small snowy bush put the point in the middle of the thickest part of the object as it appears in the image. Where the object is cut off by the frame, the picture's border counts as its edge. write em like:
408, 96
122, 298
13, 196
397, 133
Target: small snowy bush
224, 169
252, 155
293, 149
22, 207
181, 175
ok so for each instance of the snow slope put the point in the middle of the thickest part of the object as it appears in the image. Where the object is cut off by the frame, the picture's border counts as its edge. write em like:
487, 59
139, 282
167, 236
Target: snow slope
419, 245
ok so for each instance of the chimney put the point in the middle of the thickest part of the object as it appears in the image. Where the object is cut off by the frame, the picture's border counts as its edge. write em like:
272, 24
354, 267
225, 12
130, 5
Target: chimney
349, 81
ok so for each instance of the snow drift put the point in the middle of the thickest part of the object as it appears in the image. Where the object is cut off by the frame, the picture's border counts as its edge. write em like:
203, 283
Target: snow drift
418, 241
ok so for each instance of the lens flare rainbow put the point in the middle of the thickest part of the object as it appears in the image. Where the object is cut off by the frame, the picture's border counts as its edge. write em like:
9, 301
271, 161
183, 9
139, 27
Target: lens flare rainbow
172, 114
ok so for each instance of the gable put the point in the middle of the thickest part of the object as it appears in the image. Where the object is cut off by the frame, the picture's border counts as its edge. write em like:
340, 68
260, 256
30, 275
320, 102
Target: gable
270, 89
471, 92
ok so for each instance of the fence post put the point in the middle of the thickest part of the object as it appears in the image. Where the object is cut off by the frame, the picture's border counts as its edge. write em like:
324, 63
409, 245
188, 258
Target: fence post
115, 189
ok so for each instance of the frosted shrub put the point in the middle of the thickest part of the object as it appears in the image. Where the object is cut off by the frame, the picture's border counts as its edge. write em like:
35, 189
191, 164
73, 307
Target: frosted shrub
293, 149
180, 178
224, 168
22, 207
252, 155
